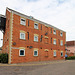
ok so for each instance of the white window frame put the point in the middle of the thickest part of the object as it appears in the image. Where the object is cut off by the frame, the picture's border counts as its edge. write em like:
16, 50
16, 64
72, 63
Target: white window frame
35, 26
21, 37
61, 42
37, 53
24, 52
54, 31
60, 34
54, 41
54, 53
22, 22
35, 39
62, 54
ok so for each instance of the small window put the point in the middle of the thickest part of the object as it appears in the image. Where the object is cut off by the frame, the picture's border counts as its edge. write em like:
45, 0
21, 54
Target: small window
61, 34
54, 41
61, 54
36, 26
22, 52
28, 35
35, 52
41, 38
54, 31
51, 40
23, 21
22, 35
35, 38
54, 53
61, 43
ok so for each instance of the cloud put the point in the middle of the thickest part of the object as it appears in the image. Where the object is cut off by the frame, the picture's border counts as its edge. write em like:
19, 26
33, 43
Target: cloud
59, 13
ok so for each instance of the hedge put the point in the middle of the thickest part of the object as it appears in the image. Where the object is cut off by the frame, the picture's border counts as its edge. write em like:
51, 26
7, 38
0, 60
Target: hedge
4, 58
71, 58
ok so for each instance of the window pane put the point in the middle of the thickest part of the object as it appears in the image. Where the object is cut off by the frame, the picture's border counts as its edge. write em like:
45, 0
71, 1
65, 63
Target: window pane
35, 52
36, 26
61, 34
54, 31
54, 53
22, 35
54, 41
61, 43
21, 52
22, 21
35, 38
61, 53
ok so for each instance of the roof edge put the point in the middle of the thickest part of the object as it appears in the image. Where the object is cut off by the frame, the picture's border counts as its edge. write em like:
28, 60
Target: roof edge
11, 10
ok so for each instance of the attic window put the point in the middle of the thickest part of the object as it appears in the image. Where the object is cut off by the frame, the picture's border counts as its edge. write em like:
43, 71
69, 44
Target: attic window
61, 34
54, 31
36, 26
23, 21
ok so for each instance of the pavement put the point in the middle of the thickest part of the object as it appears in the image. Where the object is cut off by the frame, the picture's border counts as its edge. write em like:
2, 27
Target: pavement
60, 67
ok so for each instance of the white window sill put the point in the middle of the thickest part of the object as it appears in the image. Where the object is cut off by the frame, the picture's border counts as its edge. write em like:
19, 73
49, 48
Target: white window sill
22, 39
22, 55
55, 56
23, 24
35, 41
35, 55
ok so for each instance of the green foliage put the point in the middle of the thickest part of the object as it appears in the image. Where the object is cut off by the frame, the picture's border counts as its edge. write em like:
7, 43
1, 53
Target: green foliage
4, 58
71, 58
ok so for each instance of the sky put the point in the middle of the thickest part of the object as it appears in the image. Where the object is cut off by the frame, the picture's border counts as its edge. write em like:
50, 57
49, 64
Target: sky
59, 13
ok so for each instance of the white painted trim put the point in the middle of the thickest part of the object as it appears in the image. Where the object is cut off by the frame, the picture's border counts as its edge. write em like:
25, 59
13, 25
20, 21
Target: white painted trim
24, 52
37, 53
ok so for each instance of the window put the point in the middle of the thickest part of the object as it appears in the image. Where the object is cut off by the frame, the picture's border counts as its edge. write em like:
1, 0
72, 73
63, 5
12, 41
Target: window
23, 21
61, 43
35, 52
28, 35
21, 52
54, 31
36, 26
51, 40
41, 38
22, 35
36, 38
54, 41
61, 34
61, 54
54, 53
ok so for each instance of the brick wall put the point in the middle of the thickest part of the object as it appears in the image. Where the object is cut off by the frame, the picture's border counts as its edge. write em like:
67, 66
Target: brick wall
41, 46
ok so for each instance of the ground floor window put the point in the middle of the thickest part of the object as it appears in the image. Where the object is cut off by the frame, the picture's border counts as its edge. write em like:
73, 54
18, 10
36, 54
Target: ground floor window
35, 52
21, 52
61, 54
54, 53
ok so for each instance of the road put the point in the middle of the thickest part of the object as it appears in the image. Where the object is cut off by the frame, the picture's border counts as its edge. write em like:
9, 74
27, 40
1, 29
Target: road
40, 68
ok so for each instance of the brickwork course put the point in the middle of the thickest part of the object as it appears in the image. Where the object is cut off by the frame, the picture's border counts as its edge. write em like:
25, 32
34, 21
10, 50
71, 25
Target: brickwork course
12, 42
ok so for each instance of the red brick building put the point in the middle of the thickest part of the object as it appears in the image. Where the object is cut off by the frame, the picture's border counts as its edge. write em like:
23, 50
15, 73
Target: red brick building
27, 39
70, 48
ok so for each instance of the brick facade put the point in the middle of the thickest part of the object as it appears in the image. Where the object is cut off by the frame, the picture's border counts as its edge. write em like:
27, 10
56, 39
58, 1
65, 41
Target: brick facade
70, 48
12, 42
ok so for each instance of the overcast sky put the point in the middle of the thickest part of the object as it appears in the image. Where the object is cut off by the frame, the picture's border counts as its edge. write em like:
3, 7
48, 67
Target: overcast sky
59, 13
